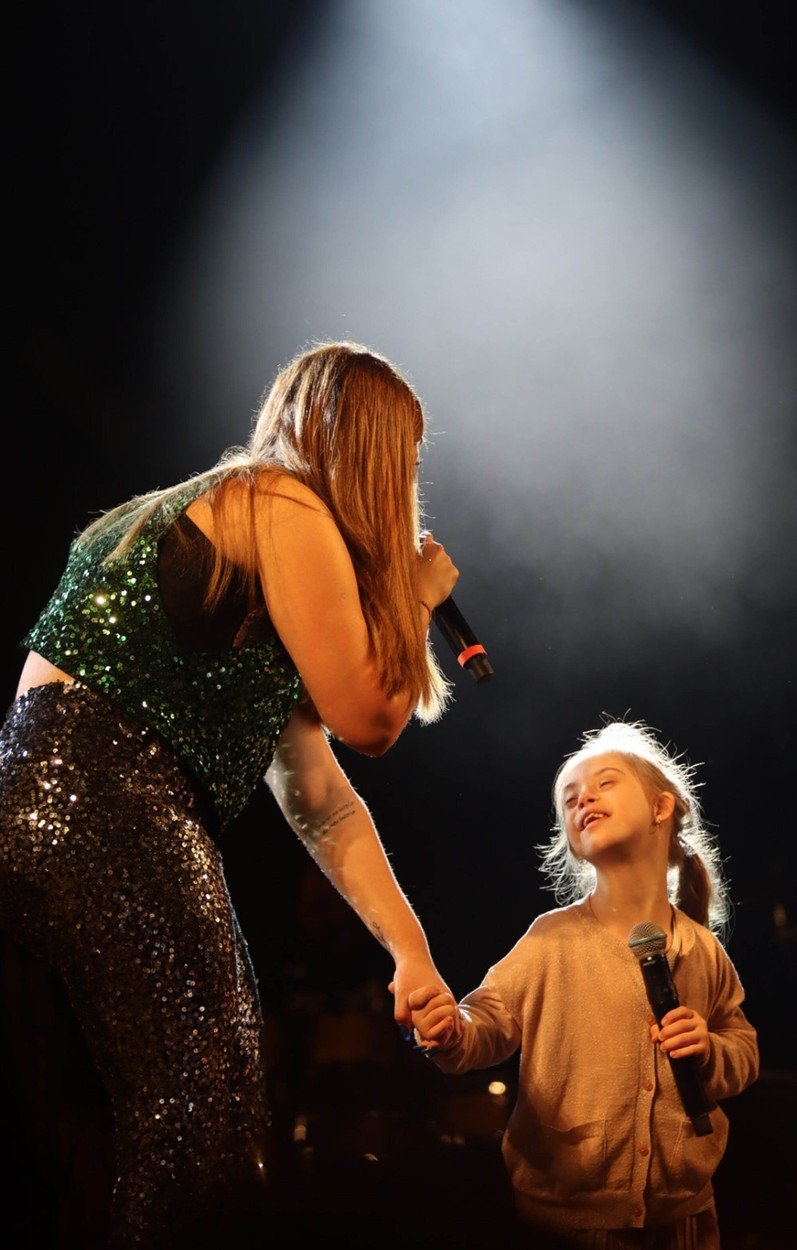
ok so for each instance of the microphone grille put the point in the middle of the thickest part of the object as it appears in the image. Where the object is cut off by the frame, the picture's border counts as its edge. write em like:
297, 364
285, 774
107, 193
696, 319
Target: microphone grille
647, 939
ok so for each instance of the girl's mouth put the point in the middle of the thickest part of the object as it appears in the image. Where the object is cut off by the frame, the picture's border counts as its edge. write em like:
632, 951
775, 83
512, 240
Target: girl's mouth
591, 817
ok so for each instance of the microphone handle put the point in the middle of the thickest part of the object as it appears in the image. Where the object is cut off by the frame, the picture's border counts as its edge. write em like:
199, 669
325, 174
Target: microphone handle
461, 639
663, 997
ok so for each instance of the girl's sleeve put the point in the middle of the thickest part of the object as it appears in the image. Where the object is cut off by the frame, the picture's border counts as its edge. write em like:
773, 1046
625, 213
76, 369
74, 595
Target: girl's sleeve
733, 1063
489, 1033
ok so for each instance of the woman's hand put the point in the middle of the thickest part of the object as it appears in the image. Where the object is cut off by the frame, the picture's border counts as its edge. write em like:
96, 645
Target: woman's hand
683, 1032
435, 575
413, 973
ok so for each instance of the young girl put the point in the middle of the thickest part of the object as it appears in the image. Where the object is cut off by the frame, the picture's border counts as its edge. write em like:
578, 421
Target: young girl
598, 1147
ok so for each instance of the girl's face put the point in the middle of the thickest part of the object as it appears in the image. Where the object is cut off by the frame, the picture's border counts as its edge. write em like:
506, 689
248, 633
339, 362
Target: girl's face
607, 811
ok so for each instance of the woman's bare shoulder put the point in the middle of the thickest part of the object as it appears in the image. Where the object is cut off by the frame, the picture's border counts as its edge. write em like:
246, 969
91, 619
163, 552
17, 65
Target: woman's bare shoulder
277, 485
235, 493
269, 497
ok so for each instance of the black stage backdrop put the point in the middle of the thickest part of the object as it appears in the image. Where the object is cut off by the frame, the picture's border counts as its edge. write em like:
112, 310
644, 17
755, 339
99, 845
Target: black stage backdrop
613, 469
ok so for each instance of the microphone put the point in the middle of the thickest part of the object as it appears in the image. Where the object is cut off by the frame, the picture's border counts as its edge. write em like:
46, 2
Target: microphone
461, 639
648, 941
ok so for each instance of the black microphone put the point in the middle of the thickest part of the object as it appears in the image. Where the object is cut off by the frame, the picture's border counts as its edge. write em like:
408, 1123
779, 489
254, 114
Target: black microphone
648, 941
461, 639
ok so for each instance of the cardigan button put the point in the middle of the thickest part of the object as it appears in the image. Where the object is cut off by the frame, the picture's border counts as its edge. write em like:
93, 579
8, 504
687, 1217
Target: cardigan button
637, 1211
644, 1151
648, 1086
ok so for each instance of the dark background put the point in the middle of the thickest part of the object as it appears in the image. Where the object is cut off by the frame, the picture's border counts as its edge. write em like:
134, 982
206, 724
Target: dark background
122, 116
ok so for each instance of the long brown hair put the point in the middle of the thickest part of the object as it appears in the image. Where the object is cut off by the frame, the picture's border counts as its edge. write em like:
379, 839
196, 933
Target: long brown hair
695, 878
344, 422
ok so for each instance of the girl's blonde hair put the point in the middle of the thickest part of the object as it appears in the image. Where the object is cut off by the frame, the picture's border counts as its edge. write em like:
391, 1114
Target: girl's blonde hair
344, 422
695, 879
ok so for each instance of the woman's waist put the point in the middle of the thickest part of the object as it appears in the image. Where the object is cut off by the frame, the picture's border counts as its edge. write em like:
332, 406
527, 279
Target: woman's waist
38, 671
70, 723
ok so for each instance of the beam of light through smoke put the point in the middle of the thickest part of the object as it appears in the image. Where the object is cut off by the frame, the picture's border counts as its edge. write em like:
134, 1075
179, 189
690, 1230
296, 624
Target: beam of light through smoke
575, 235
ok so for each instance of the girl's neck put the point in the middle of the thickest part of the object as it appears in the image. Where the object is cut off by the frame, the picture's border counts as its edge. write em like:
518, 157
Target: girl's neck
625, 896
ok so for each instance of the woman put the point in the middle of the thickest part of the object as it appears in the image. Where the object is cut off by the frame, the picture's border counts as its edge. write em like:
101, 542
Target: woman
201, 637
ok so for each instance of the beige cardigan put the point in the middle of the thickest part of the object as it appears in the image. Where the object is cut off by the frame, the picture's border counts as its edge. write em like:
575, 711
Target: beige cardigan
598, 1137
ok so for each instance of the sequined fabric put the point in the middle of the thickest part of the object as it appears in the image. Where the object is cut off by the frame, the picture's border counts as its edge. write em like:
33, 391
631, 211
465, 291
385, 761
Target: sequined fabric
108, 873
222, 711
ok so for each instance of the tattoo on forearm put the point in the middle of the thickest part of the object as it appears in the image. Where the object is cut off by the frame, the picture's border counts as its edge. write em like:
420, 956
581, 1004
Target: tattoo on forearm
376, 930
316, 833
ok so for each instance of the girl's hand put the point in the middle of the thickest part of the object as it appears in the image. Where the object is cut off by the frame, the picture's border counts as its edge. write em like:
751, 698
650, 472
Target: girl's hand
436, 1020
683, 1032
435, 575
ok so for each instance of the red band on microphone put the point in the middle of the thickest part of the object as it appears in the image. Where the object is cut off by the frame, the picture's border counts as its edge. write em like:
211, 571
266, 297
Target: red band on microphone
469, 652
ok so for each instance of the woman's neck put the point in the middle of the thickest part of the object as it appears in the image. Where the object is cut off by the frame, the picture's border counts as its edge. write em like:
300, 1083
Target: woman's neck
628, 894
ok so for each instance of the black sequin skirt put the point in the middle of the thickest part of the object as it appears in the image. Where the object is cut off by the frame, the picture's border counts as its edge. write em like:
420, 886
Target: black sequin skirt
108, 872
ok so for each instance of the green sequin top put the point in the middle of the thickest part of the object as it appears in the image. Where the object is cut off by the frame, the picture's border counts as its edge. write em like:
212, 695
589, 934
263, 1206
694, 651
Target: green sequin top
222, 712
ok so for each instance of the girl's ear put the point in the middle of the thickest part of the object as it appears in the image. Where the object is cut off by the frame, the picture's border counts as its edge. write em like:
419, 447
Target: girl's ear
663, 806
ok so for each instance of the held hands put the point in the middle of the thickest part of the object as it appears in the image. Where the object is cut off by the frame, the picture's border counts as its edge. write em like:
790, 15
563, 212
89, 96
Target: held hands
435, 574
411, 971
420, 1009
683, 1032
436, 1020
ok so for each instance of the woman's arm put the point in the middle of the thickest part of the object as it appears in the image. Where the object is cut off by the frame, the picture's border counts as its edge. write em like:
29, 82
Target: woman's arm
312, 597
321, 806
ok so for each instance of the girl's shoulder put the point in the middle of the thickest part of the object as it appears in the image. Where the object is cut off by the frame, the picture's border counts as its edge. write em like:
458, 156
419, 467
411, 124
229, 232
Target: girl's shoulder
559, 924
552, 941
698, 937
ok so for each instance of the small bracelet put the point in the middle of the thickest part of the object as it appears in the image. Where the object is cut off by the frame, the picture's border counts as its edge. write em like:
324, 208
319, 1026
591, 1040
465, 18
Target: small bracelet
424, 604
